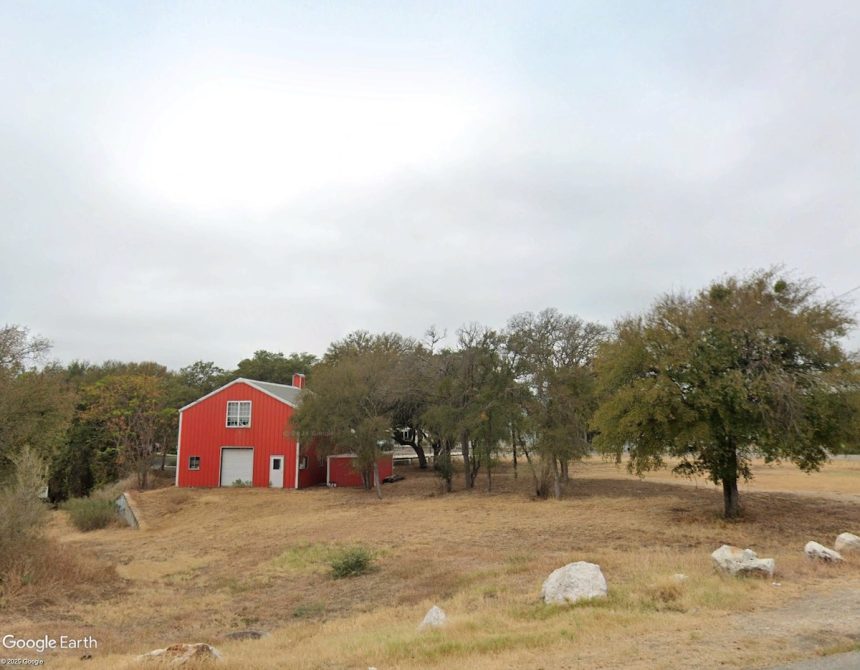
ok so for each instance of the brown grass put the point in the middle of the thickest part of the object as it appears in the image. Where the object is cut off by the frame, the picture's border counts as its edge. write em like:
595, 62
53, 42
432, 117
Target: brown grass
43, 574
214, 561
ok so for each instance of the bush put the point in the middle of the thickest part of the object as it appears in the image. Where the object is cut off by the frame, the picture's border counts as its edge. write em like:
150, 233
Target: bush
22, 510
351, 563
91, 513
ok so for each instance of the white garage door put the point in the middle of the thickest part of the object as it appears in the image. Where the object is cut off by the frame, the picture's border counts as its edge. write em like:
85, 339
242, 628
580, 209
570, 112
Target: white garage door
237, 464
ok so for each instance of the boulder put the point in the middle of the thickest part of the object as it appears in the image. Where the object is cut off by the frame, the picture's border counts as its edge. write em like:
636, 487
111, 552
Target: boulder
846, 543
435, 618
180, 654
574, 582
737, 561
820, 552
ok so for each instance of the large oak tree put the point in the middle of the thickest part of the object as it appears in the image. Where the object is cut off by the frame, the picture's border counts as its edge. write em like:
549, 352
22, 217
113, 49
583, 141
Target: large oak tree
748, 366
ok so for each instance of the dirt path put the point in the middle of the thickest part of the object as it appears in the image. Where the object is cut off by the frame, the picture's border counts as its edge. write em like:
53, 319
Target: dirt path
820, 622
848, 661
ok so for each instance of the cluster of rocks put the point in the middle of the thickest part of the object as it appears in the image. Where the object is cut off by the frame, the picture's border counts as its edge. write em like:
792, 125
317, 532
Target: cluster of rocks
846, 543
584, 581
737, 561
569, 584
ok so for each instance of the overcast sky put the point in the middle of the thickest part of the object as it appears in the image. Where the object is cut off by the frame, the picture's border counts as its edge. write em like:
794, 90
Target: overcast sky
184, 181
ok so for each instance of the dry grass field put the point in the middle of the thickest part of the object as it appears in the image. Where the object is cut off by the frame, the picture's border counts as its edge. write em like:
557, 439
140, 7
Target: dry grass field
209, 562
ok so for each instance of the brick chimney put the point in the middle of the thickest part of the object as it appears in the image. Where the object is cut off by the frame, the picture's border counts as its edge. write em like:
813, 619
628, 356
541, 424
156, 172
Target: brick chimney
298, 380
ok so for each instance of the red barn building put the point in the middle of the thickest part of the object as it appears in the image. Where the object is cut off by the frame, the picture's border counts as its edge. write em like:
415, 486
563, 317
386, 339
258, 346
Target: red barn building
240, 434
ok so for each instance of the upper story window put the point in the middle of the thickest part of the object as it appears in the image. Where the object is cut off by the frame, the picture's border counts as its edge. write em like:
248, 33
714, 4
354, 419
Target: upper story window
238, 413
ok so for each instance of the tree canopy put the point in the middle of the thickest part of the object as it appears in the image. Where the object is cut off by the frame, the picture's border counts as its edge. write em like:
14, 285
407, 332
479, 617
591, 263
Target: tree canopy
349, 409
748, 366
267, 366
551, 356
35, 402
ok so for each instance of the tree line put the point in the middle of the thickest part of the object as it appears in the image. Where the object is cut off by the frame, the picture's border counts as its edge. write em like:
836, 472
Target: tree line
748, 366
92, 424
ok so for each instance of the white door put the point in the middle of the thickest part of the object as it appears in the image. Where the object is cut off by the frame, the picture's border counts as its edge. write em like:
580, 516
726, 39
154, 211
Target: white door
276, 472
237, 465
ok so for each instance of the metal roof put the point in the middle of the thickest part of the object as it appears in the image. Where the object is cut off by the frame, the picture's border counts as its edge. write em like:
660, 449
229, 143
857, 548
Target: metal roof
289, 394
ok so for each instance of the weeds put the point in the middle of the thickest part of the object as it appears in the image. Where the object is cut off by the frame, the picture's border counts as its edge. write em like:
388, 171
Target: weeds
351, 563
90, 514
312, 610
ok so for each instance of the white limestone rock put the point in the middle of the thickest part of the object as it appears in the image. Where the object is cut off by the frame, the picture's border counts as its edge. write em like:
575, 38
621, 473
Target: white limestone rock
817, 551
435, 618
574, 582
846, 543
180, 654
737, 561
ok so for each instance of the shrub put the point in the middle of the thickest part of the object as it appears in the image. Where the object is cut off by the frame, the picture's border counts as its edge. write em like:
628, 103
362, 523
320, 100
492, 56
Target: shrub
351, 563
22, 510
90, 513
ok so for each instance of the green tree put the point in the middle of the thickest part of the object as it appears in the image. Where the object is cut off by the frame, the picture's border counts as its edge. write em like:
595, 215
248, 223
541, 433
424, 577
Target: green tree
552, 356
36, 404
747, 366
406, 365
349, 410
202, 377
267, 366
91, 455
470, 403
132, 409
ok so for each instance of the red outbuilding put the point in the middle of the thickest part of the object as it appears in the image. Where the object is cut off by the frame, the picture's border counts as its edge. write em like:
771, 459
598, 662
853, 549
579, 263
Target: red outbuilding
239, 435
341, 469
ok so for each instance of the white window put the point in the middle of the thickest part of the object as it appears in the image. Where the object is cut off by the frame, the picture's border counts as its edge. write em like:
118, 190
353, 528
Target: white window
238, 413
194, 462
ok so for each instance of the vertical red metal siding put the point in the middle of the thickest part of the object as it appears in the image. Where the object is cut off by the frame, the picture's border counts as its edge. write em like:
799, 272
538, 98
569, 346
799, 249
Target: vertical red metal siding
204, 433
315, 472
342, 471
386, 466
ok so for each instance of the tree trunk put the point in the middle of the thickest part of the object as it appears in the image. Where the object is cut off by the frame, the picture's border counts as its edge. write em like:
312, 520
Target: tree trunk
731, 506
467, 460
376, 481
437, 449
538, 489
556, 480
422, 458
565, 476
514, 447
164, 457
416, 447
